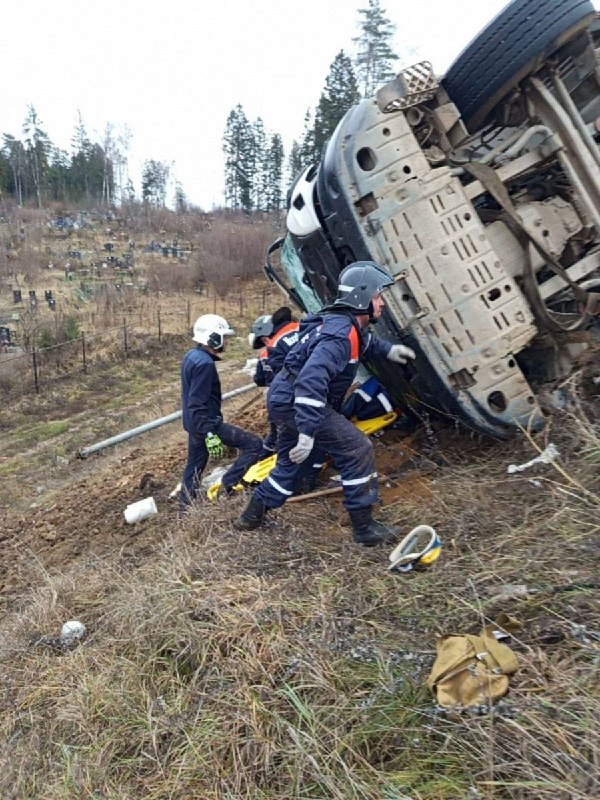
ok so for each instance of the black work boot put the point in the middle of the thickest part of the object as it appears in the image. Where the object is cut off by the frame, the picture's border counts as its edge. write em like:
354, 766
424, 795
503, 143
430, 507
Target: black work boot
367, 531
252, 516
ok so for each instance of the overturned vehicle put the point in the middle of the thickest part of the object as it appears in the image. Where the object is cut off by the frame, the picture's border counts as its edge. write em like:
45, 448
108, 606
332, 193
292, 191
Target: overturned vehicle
480, 194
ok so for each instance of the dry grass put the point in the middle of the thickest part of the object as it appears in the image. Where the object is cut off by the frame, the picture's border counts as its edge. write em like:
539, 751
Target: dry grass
288, 664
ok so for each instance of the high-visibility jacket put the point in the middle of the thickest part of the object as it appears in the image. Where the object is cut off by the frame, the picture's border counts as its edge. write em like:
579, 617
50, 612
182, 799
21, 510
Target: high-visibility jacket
320, 369
272, 356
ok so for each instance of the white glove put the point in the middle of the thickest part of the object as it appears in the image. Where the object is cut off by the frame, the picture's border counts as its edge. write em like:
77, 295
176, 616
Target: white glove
399, 353
301, 451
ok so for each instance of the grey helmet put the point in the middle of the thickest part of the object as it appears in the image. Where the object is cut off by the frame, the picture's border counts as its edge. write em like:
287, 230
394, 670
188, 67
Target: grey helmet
358, 283
262, 328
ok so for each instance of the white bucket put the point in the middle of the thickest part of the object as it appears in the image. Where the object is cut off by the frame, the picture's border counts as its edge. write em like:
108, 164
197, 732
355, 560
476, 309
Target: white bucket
136, 512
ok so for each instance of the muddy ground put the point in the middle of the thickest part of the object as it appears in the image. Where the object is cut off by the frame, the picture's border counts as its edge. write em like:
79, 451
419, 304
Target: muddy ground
58, 510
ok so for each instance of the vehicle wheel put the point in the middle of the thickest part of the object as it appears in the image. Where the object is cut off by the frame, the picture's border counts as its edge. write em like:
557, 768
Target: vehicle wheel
507, 49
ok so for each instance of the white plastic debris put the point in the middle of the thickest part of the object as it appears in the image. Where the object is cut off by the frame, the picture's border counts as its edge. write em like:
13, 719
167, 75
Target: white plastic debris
547, 456
213, 477
175, 492
136, 512
72, 631
250, 366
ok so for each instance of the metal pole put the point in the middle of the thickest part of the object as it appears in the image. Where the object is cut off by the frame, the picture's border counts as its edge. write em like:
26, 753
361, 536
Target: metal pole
159, 327
85, 369
35, 372
148, 426
125, 337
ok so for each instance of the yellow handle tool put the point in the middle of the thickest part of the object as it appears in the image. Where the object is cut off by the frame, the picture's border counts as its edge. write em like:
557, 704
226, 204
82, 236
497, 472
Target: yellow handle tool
259, 471
214, 490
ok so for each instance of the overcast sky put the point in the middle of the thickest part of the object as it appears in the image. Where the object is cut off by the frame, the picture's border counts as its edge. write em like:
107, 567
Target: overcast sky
172, 70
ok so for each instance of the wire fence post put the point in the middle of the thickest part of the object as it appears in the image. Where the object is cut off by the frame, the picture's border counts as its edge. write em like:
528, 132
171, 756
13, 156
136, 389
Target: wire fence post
125, 343
83, 353
189, 315
35, 371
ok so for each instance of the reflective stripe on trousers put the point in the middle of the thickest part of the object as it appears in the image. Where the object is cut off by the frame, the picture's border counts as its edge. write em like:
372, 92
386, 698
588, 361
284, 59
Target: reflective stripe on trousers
351, 451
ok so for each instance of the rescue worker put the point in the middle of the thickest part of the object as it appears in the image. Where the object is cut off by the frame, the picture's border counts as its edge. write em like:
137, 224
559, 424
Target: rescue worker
367, 401
305, 396
202, 417
274, 336
277, 345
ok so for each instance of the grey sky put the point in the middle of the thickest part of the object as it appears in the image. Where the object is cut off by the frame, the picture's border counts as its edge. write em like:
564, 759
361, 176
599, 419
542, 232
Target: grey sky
172, 71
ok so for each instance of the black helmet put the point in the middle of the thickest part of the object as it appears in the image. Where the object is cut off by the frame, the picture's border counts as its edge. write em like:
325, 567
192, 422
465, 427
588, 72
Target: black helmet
281, 316
358, 283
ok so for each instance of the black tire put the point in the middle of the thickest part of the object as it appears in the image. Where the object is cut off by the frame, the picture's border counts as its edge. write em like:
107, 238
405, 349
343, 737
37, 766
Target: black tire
504, 52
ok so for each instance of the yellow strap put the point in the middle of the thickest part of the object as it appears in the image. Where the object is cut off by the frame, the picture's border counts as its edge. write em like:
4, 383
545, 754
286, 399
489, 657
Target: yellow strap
369, 426
259, 471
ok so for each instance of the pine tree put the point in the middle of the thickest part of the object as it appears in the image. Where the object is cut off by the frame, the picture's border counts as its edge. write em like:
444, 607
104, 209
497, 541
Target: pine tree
238, 149
338, 96
79, 172
308, 152
375, 55
274, 173
14, 153
256, 164
109, 147
294, 161
58, 174
155, 175
37, 147
181, 201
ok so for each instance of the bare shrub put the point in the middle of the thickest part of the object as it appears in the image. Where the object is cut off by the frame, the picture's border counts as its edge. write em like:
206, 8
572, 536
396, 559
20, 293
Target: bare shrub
170, 277
12, 370
232, 252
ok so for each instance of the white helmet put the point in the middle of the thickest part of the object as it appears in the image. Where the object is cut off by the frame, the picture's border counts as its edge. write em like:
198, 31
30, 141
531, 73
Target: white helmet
301, 217
211, 330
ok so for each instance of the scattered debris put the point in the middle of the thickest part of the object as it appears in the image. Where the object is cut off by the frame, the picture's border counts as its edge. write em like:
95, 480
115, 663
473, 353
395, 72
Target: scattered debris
547, 456
72, 633
136, 512
214, 476
250, 366
510, 591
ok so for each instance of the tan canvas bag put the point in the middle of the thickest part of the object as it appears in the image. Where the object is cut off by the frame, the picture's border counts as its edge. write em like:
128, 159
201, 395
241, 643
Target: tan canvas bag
471, 670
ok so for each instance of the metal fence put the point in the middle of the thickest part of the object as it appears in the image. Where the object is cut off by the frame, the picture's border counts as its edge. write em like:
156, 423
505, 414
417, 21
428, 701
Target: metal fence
27, 370
30, 372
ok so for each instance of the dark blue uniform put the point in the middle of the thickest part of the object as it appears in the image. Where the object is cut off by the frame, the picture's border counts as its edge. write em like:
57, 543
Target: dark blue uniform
369, 400
270, 361
201, 405
306, 397
273, 354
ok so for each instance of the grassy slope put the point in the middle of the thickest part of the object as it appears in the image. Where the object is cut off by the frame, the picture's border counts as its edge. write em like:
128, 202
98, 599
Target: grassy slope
290, 664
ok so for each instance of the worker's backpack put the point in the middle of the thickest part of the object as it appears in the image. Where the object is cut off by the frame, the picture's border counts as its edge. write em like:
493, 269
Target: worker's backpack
471, 670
